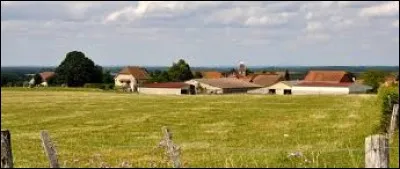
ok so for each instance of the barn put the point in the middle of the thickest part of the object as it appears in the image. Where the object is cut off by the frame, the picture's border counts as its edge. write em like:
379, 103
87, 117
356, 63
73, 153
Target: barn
305, 88
167, 88
222, 85
279, 88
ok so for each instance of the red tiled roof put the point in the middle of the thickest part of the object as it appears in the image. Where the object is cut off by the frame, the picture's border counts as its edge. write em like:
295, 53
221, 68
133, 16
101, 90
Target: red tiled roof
266, 79
135, 71
175, 85
46, 75
212, 75
324, 84
325, 76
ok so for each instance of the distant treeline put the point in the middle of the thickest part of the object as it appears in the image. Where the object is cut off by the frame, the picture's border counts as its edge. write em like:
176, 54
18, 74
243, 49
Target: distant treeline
296, 69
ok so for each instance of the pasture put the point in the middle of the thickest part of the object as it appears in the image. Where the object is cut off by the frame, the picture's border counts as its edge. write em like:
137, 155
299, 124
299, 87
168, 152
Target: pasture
91, 127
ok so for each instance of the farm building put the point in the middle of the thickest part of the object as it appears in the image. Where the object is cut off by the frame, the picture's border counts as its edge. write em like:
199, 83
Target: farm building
304, 88
279, 88
131, 77
45, 77
167, 88
222, 85
265, 80
329, 76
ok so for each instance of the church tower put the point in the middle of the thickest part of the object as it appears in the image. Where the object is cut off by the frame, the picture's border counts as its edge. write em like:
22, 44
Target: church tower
242, 69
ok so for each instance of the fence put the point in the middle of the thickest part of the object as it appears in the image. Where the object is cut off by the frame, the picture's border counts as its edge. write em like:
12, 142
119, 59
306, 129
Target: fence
376, 147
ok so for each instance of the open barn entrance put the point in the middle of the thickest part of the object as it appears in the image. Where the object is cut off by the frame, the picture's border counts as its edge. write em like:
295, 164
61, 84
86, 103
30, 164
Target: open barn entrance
287, 91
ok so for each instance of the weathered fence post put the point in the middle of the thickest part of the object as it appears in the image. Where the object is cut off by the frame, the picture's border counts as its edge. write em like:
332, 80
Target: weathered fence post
6, 154
172, 150
49, 149
394, 120
376, 151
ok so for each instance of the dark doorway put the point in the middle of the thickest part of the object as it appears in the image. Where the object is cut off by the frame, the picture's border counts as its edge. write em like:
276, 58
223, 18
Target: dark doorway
184, 91
287, 91
271, 91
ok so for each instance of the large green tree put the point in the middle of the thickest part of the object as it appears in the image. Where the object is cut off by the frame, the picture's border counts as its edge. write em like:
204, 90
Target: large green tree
76, 70
374, 78
180, 71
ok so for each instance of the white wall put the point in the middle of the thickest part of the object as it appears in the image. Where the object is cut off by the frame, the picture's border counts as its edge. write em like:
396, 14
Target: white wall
207, 87
124, 77
301, 90
359, 88
163, 91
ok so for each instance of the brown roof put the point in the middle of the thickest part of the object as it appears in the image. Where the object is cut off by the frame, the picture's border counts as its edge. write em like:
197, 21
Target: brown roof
212, 75
175, 85
266, 79
46, 75
325, 76
227, 83
135, 71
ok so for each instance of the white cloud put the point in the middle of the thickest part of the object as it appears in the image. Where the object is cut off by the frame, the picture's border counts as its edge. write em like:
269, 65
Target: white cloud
222, 26
314, 26
396, 23
385, 9
159, 9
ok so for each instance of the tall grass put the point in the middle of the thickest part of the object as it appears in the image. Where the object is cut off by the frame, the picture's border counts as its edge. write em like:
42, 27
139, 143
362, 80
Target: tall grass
89, 128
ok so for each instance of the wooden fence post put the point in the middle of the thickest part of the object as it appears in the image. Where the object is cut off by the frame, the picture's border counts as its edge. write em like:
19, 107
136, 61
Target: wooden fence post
6, 154
172, 150
394, 120
376, 151
49, 149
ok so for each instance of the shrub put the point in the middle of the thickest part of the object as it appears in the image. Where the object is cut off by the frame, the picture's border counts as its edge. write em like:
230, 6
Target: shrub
387, 97
99, 86
93, 85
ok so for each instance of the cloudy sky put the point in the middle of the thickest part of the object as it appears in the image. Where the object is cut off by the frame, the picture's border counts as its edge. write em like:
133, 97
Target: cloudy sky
203, 33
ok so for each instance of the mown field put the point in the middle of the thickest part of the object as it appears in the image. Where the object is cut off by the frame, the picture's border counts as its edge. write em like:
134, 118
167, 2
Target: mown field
91, 127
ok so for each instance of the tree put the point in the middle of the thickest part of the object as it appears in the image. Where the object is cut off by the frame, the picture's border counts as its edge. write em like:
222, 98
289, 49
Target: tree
248, 71
287, 75
180, 71
198, 75
159, 76
374, 78
9, 78
107, 77
37, 78
76, 70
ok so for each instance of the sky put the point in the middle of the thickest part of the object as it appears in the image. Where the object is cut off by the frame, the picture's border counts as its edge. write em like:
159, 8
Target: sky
204, 33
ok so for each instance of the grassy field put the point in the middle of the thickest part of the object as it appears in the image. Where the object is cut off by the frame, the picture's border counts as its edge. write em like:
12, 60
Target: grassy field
90, 127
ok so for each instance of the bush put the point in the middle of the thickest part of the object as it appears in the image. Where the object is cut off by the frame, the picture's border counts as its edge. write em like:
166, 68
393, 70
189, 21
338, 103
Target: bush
99, 86
93, 85
387, 97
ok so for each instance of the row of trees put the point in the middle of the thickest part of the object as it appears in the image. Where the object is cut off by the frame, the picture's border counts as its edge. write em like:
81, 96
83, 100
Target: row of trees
178, 72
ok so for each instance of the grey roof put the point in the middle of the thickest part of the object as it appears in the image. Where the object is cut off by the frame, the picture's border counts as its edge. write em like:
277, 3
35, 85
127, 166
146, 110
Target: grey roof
291, 83
226, 83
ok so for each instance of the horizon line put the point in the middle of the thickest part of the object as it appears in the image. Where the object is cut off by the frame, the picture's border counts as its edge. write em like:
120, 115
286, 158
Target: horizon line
213, 66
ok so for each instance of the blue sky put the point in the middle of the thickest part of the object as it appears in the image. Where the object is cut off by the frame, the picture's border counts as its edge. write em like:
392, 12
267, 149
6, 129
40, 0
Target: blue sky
210, 33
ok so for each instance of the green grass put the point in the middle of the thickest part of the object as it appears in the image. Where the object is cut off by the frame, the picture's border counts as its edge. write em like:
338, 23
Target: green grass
90, 127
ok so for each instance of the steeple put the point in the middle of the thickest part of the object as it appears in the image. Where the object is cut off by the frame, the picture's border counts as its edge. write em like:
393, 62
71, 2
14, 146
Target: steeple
242, 68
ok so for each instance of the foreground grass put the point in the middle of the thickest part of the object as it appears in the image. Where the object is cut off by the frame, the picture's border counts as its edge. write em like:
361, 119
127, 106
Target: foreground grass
214, 131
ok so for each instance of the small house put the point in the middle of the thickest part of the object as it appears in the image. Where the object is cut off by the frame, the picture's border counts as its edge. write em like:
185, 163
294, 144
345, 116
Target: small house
45, 77
131, 77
